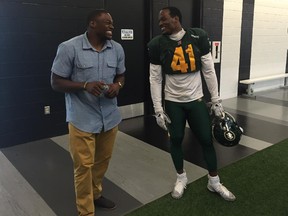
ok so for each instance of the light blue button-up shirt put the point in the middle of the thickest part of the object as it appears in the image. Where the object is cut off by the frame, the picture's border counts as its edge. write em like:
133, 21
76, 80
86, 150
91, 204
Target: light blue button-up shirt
77, 60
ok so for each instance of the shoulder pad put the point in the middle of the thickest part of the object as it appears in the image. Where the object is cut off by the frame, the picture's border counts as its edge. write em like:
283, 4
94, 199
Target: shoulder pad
197, 32
154, 41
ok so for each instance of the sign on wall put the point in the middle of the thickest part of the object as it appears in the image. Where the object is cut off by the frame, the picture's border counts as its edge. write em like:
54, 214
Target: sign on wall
216, 51
127, 34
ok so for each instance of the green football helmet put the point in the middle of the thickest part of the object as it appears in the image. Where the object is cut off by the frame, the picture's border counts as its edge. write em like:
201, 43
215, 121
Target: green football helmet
226, 131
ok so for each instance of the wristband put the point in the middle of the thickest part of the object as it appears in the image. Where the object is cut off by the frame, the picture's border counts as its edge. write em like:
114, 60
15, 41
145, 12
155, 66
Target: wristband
120, 84
85, 84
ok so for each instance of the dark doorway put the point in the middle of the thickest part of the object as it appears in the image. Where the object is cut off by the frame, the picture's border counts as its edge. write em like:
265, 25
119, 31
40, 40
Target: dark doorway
131, 15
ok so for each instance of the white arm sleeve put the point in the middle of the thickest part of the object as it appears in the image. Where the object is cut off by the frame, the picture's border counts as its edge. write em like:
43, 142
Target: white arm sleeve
209, 74
156, 86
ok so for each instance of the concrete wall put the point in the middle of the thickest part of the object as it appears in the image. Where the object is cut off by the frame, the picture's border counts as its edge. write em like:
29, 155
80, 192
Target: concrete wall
270, 41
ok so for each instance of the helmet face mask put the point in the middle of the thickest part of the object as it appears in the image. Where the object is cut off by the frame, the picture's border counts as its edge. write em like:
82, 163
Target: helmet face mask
226, 131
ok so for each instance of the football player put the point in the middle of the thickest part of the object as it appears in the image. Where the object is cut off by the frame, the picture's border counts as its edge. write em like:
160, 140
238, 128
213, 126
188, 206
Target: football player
176, 59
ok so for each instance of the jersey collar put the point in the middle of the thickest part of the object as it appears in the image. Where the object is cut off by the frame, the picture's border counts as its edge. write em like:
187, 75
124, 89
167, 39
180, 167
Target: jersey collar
177, 36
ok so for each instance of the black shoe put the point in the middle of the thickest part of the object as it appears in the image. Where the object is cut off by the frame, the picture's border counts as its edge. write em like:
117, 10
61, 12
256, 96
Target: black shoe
104, 203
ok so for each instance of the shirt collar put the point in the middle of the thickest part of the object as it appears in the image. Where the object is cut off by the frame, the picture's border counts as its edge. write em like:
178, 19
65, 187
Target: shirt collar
87, 45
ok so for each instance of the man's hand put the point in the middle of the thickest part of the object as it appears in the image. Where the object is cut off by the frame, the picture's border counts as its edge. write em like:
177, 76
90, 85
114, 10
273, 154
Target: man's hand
217, 109
113, 90
95, 88
100, 88
162, 120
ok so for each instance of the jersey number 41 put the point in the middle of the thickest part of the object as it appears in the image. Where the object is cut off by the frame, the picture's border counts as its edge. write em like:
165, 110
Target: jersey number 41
179, 62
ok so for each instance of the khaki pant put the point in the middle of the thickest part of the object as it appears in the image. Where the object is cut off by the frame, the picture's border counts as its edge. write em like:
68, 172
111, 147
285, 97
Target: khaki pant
91, 154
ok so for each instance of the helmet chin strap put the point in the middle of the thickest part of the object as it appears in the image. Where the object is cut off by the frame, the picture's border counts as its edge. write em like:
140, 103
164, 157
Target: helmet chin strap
224, 127
242, 130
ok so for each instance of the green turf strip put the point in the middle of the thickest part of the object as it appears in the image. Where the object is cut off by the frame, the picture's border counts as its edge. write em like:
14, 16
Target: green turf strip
259, 182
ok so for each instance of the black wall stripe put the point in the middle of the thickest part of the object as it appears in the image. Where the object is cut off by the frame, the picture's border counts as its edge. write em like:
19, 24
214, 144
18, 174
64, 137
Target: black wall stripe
286, 71
212, 22
286, 62
246, 42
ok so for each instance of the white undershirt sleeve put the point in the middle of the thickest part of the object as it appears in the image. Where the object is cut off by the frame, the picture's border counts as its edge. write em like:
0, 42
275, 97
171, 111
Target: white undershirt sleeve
156, 86
209, 74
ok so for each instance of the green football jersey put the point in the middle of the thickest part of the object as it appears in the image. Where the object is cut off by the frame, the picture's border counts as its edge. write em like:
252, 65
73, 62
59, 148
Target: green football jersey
178, 57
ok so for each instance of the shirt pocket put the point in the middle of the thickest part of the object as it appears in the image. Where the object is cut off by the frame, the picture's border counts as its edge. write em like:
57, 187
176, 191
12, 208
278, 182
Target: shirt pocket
83, 65
84, 69
110, 72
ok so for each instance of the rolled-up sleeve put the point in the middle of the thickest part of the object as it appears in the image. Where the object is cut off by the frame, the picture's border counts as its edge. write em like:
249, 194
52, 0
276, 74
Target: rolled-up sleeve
63, 62
121, 60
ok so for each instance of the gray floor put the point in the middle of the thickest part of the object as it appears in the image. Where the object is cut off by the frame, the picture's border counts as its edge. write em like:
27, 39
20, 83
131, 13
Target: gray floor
36, 178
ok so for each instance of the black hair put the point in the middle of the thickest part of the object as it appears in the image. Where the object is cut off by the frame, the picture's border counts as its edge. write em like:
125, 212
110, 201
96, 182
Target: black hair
174, 12
95, 13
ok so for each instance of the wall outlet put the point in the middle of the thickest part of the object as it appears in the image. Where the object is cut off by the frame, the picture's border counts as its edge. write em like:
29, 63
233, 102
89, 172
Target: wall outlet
46, 110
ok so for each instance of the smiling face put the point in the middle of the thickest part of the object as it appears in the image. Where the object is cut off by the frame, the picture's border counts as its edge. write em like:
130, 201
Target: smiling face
168, 24
103, 26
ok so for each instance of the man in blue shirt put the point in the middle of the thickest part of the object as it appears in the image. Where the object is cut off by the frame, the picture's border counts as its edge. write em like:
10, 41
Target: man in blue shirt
89, 69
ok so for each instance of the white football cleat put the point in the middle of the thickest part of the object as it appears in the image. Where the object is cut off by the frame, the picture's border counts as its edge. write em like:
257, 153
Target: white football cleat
222, 190
179, 186
214, 185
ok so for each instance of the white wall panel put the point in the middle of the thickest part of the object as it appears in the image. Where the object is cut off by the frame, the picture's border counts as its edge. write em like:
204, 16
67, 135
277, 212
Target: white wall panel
230, 48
